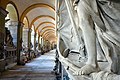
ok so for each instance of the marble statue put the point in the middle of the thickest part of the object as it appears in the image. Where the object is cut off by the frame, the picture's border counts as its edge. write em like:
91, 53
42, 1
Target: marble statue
98, 25
8, 38
100, 19
87, 26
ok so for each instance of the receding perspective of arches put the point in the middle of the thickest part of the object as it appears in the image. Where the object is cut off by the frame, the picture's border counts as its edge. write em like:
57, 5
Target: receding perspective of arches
48, 34
47, 30
39, 26
46, 27
30, 41
41, 16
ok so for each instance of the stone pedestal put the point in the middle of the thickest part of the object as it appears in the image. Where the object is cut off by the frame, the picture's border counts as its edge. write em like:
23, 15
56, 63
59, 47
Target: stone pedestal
3, 14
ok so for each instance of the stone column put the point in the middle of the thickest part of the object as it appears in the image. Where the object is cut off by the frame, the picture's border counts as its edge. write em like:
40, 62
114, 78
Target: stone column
35, 41
44, 43
25, 36
3, 14
29, 41
39, 45
19, 41
41, 42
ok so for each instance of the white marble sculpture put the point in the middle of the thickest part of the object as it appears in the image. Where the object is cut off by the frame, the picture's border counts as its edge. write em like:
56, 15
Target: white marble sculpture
104, 17
98, 22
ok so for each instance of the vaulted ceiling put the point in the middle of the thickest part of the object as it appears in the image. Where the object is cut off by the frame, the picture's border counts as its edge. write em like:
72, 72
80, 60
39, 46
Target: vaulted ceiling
38, 13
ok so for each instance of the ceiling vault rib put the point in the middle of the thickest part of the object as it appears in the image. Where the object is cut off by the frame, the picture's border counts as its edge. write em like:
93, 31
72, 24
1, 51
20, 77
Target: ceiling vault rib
47, 31
35, 6
47, 27
42, 24
47, 34
41, 16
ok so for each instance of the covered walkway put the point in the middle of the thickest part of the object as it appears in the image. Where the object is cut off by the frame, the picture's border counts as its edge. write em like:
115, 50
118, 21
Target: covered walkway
38, 69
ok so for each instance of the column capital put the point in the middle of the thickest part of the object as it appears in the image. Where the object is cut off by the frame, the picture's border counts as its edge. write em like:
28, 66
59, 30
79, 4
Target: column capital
35, 33
26, 29
29, 30
14, 23
3, 11
39, 36
20, 24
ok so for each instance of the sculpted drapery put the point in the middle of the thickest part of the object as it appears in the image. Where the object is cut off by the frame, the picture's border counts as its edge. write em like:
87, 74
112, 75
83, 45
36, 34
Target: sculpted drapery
98, 25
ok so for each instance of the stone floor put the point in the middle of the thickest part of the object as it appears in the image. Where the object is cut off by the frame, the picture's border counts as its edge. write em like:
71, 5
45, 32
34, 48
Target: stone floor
38, 69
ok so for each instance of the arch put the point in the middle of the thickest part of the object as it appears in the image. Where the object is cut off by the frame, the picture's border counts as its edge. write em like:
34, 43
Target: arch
12, 3
26, 22
39, 33
41, 16
54, 42
13, 16
13, 11
51, 38
48, 34
34, 28
35, 6
47, 27
47, 31
42, 24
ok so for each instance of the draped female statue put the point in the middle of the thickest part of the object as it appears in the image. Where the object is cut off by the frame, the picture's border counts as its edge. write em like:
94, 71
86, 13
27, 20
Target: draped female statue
100, 20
